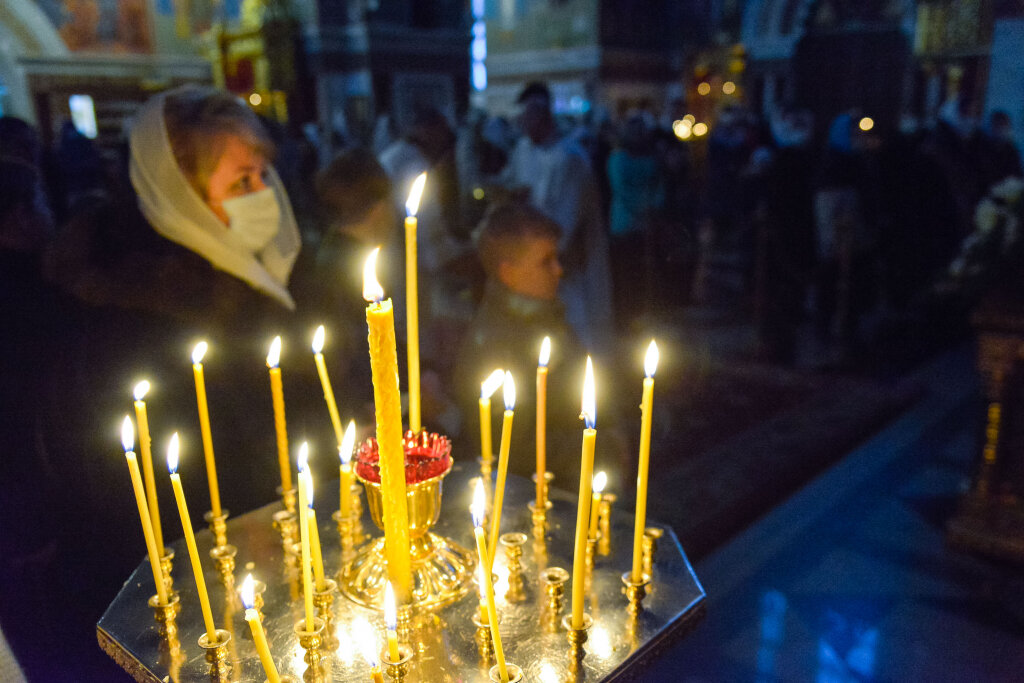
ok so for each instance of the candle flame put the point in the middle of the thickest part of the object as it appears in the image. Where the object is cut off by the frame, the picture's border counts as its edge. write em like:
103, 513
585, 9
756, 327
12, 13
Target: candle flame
318, 339
600, 481
363, 632
589, 411
372, 291
348, 443
651, 359
127, 434
412, 205
172, 454
510, 391
303, 458
491, 384
141, 389
477, 508
198, 352
308, 478
545, 352
274, 355
390, 611
248, 592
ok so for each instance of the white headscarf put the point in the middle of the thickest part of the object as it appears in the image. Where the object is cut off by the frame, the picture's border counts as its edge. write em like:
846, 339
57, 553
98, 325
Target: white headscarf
176, 211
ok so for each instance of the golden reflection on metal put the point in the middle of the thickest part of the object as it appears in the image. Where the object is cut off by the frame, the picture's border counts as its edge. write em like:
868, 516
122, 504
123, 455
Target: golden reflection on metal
649, 547
312, 642
166, 615
171, 656
604, 527
258, 589
166, 567
218, 526
287, 498
217, 655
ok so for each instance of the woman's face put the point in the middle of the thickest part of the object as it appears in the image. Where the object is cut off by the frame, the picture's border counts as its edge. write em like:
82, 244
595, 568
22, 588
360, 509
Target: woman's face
239, 171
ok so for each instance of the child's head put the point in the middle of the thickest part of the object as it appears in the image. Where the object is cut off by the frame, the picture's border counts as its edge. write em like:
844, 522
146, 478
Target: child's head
518, 246
355, 196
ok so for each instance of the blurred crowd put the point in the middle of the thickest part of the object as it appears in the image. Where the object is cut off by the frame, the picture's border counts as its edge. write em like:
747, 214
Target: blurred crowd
207, 222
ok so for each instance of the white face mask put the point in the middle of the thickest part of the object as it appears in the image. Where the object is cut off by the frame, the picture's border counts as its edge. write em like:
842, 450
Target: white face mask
254, 217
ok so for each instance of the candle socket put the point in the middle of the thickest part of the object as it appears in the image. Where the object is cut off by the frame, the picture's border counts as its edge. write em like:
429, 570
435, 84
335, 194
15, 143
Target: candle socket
403, 625
513, 543
542, 488
577, 637
649, 546
554, 579
311, 642
396, 670
591, 551
635, 592
604, 526
166, 615
323, 600
224, 560
287, 524
350, 531
515, 674
218, 526
217, 656
484, 643
166, 565
288, 497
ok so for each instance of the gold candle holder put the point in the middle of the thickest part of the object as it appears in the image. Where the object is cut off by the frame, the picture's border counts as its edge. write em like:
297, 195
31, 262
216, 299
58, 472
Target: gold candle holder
604, 526
403, 622
166, 615
515, 674
513, 542
311, 642
649, 546
539, 507
484, 643
166, 565
350, 531
323, 600
287, 524
218, 526
554, 579
288, 498
217, 655
293, 558
224, 560
577, 637
591, 551
396, 670
635, 591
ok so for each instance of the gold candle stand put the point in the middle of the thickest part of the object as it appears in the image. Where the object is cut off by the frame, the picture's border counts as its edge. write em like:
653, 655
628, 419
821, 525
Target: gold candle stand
515, 673
396, 670
323, 600
635, 591
218, 526
224, 560
288, 498
648, 547
539, 507
217, 656
166, 615
513, 543
287, 524
166, 565
312, 642
591, 551
484, 642
554, 580
350, 531
577, 637
604, 526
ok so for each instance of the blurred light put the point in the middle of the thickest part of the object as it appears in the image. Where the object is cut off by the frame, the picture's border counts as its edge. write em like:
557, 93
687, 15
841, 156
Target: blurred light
690, 119
866, 123
478, 193
700, 129
681, 129
728, 87
704, 88
255, 99
479, 76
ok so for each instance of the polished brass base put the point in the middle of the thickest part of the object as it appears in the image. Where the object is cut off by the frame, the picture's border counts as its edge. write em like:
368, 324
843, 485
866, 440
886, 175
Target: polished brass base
323, 600
217, 656
515, 674
554, 579
312, 642
218, 526
513, 542
577, 637
635, 591
396, 670
166, 615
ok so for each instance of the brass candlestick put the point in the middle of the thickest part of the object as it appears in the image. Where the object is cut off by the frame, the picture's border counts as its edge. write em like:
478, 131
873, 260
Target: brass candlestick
219, 526
515, 674
604, 526
484, 643
635, 591
166, 565
287, 524
224, 560
649, 546
311, 642
350, 531
288, 498
166, 615
293, 558
577, 637
217, 655
396, 670
323, 600
539, 507
513, 543
554, 580
591, 550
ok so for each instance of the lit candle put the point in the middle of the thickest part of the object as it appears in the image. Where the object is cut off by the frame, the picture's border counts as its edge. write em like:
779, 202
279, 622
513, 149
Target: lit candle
589, 415
600, 479
542, 416
307, 578
650, 365
362, 631
391, 620
314, 533
277, 394
325, 382
204, 427
348, 444
477, 511
190, 539
259, 638
380, 321
145, 444
499, 487
488, 387
412, 301
128, 441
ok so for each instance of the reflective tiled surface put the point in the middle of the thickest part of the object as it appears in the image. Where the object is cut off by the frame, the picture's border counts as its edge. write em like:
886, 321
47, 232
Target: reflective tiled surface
851, 580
